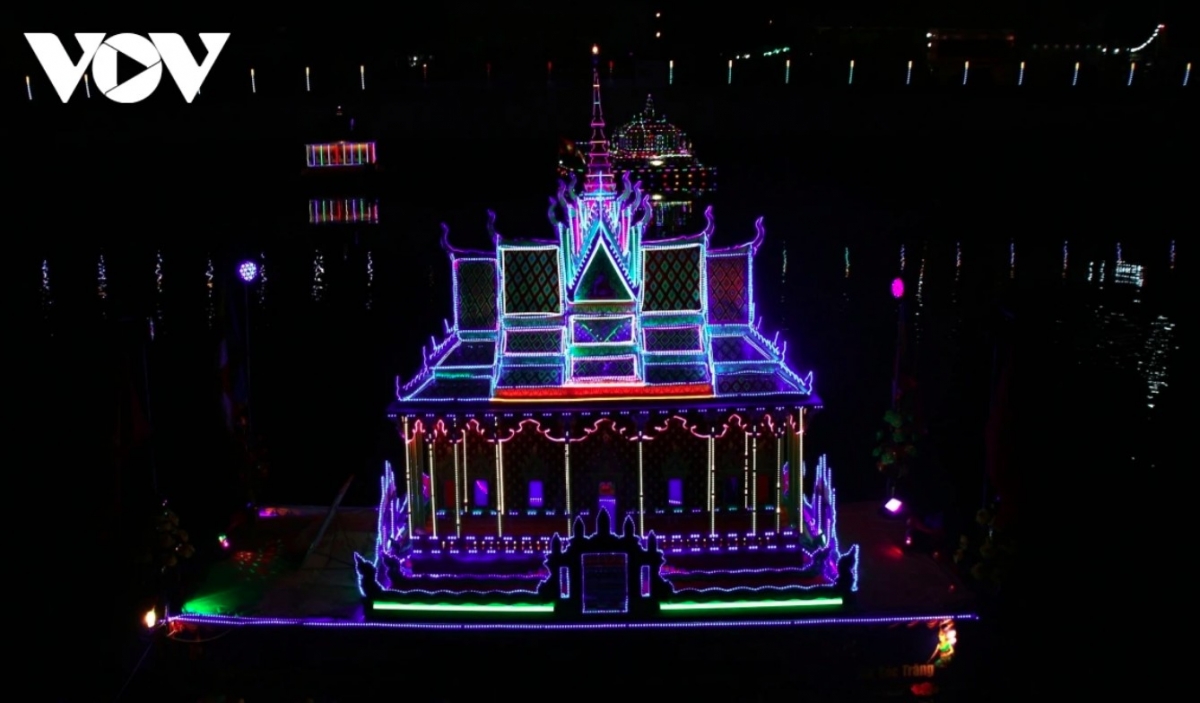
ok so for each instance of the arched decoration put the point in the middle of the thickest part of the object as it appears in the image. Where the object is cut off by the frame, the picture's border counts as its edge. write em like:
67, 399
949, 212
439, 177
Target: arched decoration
604, 470
585, 426
478, 464
675, 466
443, 485
534, 475
731, 468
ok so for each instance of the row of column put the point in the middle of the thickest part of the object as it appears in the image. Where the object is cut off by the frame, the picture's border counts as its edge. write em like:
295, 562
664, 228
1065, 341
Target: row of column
794, 452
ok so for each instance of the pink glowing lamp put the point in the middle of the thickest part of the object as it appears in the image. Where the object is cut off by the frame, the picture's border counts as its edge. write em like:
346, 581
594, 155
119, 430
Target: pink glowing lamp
893, 506
897, 288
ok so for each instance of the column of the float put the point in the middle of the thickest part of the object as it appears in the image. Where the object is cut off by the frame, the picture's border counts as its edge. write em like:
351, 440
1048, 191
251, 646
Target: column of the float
432, 486
800, 471
641, 489
408, 476
754, 483
466, 482
457, 506
567, 476
745, 468
499, 482
778, 479
712, 484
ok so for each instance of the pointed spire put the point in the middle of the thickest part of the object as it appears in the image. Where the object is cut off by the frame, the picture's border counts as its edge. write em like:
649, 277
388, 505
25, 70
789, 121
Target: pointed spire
599, 171
603, 523
649, 111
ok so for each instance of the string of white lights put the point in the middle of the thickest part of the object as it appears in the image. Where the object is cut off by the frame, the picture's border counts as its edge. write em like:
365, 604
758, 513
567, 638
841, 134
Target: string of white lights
1148, 42
787, 72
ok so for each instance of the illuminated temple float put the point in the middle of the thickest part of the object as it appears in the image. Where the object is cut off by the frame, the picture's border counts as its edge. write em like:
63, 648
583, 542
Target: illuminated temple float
659, 155
604, 431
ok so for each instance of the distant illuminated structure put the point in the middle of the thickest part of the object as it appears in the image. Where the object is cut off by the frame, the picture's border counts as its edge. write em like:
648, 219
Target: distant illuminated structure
343, 158
1125, 273
604, 432
659, 155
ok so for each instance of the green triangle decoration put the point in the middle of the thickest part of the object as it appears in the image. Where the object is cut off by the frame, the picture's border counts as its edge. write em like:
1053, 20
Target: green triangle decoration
602, 281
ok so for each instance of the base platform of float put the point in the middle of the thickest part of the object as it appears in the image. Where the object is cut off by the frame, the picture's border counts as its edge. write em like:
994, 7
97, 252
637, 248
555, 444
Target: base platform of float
276, 576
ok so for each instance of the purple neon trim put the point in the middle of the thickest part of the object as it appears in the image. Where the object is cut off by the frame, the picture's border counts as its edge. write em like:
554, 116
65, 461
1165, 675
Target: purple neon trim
455, 252
235, 621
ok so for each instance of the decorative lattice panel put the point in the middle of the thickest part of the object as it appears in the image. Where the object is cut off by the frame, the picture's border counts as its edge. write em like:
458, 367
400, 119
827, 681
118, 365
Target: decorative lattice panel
672, 279
533, 341
480, 471
516, 376
736, 349
674, 339
677, 373
729, 290
456, 389
476, 304
730, 448
531, 281
443, 495
471, 354
743, 383
602, 330
619, 367
767, 468
606, 456
529, 456
601, 281
676, 454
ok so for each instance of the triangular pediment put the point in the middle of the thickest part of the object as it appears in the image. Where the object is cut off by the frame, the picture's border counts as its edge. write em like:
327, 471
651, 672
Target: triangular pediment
601, 280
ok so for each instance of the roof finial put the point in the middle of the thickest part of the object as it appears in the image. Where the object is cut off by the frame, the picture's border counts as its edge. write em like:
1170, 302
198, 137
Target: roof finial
599, 172
649, 105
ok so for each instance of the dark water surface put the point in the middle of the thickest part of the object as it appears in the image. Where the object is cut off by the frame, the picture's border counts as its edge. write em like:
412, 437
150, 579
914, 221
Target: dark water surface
973, 217
970, 198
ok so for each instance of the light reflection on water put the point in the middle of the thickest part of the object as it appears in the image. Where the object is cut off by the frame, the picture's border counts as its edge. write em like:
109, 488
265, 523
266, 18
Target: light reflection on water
210, 303
1117, 323
318, 276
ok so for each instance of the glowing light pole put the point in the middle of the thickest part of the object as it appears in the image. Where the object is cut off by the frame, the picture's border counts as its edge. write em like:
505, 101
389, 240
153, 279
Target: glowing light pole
897, 294
671, 72
850, 80
908, 74
307, 80
248, 271
1187, 73
28, 88
1132, 68
728, 75
253, 83
1021, 75
966, 71
87, 88
362, 77
1075, 77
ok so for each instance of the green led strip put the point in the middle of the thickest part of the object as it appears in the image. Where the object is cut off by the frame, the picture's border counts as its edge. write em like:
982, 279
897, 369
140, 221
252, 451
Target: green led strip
465, 607
751, 604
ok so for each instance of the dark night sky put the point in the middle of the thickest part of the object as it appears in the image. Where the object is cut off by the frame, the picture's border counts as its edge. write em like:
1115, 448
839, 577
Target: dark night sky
526, 29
